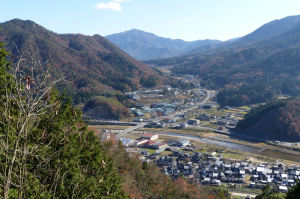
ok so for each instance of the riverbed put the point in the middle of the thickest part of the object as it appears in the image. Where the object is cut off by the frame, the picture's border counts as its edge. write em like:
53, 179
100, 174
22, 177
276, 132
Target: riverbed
219, 142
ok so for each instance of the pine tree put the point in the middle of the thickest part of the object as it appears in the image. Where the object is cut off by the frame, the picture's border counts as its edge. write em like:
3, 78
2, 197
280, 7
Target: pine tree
79, 167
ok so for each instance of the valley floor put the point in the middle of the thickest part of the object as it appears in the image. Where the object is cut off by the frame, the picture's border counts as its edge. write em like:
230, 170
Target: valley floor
207, 131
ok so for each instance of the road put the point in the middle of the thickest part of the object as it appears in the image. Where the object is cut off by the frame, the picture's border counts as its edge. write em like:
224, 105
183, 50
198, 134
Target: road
291, 154
121, 133
115, 122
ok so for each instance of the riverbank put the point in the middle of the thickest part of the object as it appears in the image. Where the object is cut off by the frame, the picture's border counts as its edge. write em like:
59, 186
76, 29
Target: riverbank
227, 142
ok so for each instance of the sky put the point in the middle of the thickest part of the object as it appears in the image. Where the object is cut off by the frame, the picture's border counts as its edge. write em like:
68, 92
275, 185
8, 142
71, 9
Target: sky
178, 19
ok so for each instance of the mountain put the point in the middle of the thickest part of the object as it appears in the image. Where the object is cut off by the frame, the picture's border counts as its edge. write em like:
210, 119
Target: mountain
274, 121
146, 46
91, 64
272, 29
253, 69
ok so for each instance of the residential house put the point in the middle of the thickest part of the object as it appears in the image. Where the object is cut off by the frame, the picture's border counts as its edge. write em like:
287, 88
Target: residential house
150, 136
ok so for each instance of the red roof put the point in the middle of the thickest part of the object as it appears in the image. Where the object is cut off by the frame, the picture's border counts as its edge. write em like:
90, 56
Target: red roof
151, 142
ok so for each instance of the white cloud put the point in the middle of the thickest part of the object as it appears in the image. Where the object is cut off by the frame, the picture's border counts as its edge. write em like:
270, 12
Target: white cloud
109, 6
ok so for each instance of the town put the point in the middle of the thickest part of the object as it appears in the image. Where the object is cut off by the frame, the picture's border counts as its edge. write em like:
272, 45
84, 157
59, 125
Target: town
171, 127
210, 168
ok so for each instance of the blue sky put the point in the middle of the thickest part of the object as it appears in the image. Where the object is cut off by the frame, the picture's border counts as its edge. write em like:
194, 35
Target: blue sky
183, 19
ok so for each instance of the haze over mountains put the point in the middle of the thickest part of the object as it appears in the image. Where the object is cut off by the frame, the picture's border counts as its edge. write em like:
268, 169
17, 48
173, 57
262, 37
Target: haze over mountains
143, 116
253, 69
271, 29
146, 46
250, 69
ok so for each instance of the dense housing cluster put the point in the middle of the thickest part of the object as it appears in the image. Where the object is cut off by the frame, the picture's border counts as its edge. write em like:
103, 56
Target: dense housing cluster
209, 169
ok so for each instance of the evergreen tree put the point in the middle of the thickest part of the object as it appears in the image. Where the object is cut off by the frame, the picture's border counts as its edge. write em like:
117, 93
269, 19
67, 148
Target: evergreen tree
78, 167
268, 192
294, 192
46, 150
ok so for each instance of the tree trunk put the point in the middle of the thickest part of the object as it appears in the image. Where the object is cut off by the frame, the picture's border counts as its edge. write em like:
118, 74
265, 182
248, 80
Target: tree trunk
6, 190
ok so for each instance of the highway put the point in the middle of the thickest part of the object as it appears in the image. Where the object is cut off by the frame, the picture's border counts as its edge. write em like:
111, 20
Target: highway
121, 133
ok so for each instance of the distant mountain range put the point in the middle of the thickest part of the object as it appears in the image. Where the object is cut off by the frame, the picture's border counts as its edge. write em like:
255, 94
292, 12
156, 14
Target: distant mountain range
271, 29
252, 69
146, 46
92, 65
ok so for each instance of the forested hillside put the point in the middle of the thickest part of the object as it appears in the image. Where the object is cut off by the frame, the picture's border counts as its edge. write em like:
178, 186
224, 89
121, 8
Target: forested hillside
274, 121
253, 69
47, 151
91, 65
146, 46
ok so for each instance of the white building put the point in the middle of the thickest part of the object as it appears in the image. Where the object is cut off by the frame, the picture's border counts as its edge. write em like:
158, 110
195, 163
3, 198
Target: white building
184, 143
126, 141
140, 142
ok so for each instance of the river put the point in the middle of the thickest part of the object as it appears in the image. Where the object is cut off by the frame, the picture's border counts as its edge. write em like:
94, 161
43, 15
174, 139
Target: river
220, 142
217, 142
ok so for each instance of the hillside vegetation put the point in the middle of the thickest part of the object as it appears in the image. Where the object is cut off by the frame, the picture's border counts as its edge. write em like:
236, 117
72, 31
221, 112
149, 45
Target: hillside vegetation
92, 66
142, 180
104, 107
47, 151
275, 121
253, 69
146, 46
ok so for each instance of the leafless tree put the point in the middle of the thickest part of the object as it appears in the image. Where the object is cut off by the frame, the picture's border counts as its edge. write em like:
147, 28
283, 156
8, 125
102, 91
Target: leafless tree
26, 99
